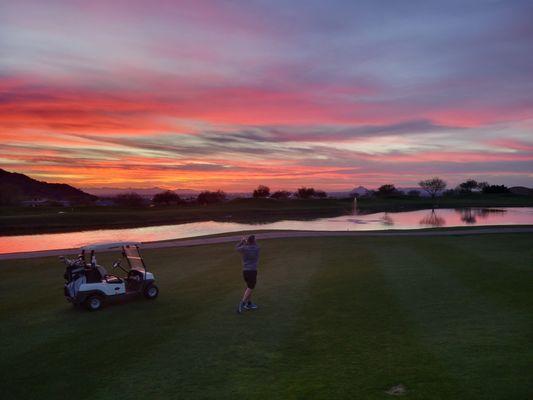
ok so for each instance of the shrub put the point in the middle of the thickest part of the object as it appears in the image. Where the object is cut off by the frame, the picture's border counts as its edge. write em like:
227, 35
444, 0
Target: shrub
208, 197
468, 186
168, 197
305, 193
281, 194
490, 189
261, 191
387, 191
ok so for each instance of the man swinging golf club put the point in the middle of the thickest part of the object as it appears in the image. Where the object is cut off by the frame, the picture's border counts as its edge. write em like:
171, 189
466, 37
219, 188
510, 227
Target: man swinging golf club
250, 257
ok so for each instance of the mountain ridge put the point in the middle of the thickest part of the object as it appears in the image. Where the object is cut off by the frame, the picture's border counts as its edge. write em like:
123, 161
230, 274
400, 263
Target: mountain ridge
18, 187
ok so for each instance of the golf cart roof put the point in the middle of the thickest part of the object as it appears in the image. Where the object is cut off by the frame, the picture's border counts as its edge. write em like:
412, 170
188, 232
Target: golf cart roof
109, 246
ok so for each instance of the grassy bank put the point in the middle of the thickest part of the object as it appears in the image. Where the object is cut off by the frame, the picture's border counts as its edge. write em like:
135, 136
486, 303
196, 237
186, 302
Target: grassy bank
36, 220
339, 318
416, 203
15, 221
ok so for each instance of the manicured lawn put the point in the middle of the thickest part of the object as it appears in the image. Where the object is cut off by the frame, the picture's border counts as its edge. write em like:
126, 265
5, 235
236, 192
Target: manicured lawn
340, 318
462, 201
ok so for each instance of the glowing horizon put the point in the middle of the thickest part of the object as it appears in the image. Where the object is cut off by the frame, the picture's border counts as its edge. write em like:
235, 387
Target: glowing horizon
209, 95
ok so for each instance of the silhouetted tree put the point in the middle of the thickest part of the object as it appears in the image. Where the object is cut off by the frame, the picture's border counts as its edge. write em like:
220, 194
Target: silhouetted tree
387, 190
168, 197
261, 191
131, 199
482, 185
305, 193
281, 194
320, 194
208, 197
468, 186
433, 186
413, 193
489, 189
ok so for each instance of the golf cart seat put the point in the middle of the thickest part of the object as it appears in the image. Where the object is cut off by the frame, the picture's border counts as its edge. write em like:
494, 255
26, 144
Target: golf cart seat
104, 276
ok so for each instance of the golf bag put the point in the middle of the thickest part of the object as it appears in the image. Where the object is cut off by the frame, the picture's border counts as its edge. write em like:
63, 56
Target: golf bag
74, 276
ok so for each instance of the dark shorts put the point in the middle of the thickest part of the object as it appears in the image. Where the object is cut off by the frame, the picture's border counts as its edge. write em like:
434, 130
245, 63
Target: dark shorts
250, 277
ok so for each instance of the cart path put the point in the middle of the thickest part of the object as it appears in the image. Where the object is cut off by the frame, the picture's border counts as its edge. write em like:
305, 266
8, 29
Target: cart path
284, 234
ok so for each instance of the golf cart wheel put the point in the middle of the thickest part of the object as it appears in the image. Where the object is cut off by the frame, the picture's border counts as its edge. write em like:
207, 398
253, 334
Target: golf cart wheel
94, 303
151, 292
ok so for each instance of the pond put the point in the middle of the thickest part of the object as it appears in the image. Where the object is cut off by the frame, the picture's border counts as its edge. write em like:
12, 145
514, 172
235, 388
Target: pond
354, 222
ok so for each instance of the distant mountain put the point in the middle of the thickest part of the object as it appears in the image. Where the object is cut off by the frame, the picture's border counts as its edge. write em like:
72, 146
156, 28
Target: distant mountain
21, 187
145, 192
521, 190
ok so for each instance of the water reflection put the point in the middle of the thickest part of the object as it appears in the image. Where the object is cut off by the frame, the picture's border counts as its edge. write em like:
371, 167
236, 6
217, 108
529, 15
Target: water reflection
432, 219
469, 215
358, 222
387, 220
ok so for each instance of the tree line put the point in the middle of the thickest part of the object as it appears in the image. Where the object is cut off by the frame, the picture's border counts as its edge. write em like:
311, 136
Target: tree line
433, 186
263, 191
170, 197
437, 186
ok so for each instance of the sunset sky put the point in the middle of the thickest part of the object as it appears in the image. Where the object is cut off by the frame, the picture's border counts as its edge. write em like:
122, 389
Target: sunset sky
232, 94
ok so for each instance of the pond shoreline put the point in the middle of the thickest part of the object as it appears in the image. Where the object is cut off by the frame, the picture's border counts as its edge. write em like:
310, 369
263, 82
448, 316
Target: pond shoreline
261, 235
15, 222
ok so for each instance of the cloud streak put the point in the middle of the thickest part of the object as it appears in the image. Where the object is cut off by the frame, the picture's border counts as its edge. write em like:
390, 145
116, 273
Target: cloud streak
212, 94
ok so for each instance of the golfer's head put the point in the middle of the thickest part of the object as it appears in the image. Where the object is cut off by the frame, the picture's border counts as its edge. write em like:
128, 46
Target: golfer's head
251, 239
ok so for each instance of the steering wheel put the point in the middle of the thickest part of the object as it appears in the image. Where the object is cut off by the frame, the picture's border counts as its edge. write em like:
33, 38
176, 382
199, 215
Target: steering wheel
116, 264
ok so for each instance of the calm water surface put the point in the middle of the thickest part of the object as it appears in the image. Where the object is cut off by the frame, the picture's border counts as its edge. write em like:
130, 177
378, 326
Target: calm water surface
355, 222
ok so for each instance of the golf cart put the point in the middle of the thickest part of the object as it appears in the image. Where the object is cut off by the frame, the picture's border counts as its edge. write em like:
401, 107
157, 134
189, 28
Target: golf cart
89, 284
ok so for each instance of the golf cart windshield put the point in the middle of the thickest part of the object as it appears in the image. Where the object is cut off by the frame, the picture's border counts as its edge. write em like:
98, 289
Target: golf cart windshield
131, 252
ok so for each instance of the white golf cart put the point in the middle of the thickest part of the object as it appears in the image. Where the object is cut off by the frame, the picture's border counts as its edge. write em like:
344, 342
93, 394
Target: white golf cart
89, 284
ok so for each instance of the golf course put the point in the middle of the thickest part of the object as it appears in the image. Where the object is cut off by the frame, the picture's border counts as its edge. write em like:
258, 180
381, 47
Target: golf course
33, 220
446, 317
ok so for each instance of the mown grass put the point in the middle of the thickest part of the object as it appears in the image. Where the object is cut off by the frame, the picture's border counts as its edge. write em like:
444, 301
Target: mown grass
459, 201
343, 318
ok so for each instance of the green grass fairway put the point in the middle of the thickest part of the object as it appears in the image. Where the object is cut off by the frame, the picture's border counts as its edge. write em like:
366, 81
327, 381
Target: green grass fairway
340, 318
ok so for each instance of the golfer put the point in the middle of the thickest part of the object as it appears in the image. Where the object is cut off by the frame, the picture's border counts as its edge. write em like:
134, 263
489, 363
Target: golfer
250, 257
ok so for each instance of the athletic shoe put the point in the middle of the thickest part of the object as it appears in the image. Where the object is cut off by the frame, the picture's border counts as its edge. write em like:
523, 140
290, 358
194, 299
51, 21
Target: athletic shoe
251, 306
241, 307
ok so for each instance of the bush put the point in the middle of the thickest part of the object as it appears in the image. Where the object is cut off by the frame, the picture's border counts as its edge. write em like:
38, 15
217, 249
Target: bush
388, 190
168, 197
413, 193
131, 199
305, 193
490, 189
281, 194
261, 191
468, 186
320, 194
208, 197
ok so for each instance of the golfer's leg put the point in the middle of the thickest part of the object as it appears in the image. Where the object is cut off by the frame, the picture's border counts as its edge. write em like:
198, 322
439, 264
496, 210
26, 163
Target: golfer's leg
247, 295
